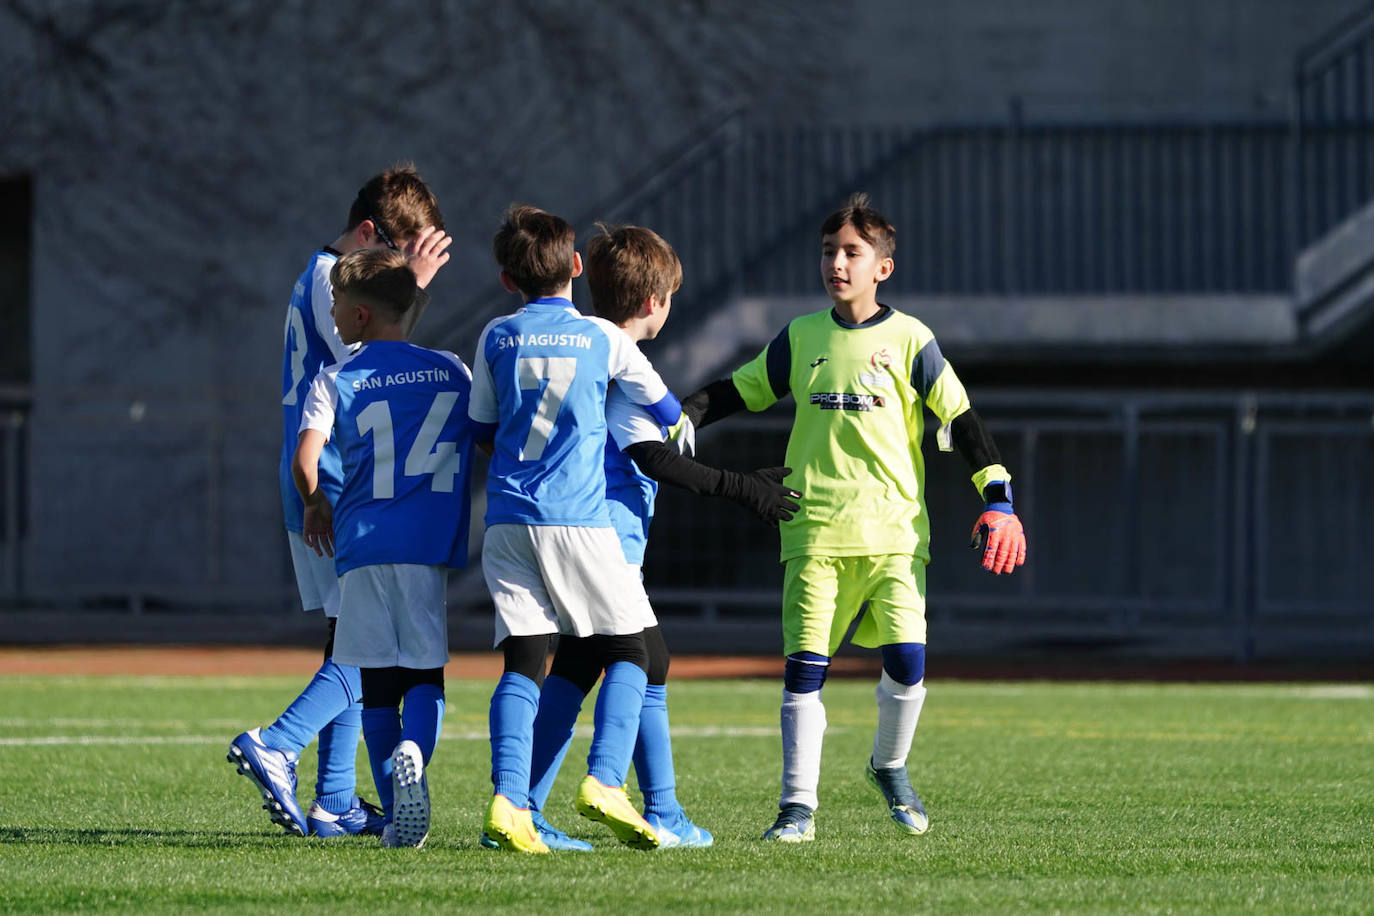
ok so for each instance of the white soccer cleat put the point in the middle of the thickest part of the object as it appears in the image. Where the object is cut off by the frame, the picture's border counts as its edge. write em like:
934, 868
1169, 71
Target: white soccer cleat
410, 810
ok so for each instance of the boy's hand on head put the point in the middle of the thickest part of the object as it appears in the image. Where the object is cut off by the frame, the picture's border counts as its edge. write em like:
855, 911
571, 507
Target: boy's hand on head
318, 526
427, 252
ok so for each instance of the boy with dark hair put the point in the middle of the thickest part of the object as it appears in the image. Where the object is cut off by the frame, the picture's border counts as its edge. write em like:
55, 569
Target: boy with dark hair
861, 374
398, 414
393, 209
632, 274
539, 399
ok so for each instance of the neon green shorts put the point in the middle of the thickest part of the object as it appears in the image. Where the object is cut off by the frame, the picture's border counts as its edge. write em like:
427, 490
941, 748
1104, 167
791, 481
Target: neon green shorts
821, 596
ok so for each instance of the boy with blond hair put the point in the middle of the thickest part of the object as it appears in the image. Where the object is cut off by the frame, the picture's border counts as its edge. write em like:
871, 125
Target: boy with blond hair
861, 373
398, 414
632, 274
393, 210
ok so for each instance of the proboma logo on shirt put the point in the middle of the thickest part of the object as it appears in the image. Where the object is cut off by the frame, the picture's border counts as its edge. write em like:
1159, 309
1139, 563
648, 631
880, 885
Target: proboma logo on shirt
840, 400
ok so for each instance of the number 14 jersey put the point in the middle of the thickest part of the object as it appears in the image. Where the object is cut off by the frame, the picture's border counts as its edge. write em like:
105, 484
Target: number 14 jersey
399, 415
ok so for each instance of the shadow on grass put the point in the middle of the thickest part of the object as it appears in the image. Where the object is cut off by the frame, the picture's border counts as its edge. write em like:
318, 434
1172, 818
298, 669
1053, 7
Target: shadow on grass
133, 836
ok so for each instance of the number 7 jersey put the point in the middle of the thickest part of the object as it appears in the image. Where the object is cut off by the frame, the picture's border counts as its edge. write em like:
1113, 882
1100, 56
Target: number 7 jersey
399, 415
539, 393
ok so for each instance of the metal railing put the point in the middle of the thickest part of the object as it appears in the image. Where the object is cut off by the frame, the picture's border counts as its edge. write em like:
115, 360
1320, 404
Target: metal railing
1163, 523
1000, 210
1333, 100
14, 416
1333, 77
1202, 523
1024, 209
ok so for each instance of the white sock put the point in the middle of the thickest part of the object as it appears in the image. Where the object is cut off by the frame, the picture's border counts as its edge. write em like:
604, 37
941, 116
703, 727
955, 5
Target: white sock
899, 708
803, 729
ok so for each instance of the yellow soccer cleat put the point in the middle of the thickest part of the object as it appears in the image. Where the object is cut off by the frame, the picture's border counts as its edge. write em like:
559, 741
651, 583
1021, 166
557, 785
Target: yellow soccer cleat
611, 806
510, 827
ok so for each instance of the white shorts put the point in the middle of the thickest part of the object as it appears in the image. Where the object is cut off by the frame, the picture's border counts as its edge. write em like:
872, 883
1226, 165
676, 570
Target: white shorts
315, 577
548, 579
646, 610
393, 615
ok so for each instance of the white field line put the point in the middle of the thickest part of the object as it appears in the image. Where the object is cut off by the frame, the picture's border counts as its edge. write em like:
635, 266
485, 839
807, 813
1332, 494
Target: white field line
106, 722
163, 740
1105, 688
1356, 691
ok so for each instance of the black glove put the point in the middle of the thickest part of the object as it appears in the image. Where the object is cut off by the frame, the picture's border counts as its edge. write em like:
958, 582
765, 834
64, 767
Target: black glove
762, 491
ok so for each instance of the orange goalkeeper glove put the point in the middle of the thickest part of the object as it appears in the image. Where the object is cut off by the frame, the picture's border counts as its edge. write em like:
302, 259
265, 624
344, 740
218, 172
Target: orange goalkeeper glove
998, 531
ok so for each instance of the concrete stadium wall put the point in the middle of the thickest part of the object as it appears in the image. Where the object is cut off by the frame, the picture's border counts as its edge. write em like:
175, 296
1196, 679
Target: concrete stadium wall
186, 158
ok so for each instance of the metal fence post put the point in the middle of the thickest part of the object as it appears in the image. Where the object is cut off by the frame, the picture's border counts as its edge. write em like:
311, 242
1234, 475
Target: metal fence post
1246, 491
13, 432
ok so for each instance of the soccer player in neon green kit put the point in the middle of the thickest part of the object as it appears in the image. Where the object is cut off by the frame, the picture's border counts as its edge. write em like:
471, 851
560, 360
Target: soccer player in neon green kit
861, 373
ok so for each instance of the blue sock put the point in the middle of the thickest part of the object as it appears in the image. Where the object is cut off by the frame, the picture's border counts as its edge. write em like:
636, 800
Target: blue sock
513, 707
616, 722
559, 703
337, 777
654, 756
333, 689
382, 732
422, 717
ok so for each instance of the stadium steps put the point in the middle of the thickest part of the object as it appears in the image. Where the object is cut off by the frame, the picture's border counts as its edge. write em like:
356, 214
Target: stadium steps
1334, 279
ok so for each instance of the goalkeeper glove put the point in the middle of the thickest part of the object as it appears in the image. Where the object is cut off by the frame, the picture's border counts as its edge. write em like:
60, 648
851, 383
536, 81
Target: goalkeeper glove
998, 531
762, 491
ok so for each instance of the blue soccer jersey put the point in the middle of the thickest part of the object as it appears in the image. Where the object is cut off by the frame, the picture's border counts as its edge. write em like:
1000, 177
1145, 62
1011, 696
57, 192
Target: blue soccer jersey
311, 343
399, 415
539, 387
629, 493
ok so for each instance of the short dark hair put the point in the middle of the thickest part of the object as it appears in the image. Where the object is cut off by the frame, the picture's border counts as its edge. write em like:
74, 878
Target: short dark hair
399, 200
378, 277
625, 266
872, 226
535, 249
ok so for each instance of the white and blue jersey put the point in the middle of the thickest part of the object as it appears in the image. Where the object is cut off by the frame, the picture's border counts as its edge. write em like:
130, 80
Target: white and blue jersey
629, 493
311, 343
539, 386
399, 415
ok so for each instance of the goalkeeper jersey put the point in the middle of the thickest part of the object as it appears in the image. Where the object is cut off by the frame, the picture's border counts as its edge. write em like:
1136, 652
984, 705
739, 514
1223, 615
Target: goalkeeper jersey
855, 447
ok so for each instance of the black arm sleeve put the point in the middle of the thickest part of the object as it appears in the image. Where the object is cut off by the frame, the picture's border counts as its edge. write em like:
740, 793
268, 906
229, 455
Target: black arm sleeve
761, 492
713, 402
665, 465
973, 440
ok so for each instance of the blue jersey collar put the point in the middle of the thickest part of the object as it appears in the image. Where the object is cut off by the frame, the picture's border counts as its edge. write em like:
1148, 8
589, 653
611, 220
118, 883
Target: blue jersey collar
551, 300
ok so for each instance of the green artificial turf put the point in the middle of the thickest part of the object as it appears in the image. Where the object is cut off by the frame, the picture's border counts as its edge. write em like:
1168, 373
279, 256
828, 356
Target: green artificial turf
1043, 797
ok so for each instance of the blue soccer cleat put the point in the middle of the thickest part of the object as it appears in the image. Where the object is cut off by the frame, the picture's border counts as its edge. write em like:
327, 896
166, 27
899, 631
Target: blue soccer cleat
679, 831
273, 771
902, 803
362, 819
795, 824
555, 839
